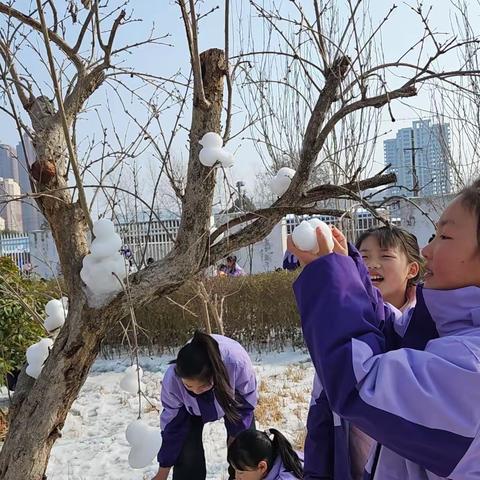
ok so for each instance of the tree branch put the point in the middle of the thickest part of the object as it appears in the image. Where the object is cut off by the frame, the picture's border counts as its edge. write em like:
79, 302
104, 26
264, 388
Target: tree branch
56, 39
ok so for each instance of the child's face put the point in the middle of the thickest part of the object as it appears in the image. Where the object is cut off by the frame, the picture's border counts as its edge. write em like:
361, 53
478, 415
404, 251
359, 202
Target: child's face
197, 386
389, 269
453, 256
255, 474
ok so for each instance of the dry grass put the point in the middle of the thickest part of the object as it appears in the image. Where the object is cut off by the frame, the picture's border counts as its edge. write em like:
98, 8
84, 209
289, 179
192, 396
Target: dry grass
299, 439
295, 374
3, 425
270, 408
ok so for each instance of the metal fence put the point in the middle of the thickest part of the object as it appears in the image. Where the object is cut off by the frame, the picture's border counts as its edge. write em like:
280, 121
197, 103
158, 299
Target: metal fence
17, 247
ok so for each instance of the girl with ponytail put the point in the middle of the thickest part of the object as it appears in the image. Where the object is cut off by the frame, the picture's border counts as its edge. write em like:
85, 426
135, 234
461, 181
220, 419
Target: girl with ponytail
212, 377
256, 455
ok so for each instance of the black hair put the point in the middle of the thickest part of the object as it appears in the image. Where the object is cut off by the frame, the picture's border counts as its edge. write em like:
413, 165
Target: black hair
232, 258
200, 359
395, 237
470, 198
252, 446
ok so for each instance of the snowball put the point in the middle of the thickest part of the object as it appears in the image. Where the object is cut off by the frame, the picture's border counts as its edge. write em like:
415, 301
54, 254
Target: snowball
99, 275
209, 156
53, 307
104, 247
145, 443
33, 370
226, 158
211, 140
37, 354
103, 228
281, 181
305, 238
105, 262
56, 311
129, 381
326, 230
134, 432
212, 151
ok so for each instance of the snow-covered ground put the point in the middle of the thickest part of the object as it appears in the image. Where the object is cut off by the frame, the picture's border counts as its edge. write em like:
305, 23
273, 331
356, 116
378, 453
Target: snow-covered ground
93, 444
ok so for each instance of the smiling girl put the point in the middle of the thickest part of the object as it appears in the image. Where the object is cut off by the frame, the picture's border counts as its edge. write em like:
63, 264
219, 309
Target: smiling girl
422, 406
333, 447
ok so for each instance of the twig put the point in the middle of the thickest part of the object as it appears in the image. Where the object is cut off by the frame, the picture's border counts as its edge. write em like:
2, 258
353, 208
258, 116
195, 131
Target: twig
73, 160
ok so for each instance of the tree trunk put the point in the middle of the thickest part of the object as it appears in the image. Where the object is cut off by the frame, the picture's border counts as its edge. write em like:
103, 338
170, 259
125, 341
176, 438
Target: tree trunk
40, 407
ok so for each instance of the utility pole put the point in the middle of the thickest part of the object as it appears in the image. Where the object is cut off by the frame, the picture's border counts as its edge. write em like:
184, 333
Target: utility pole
413, 149
239, 185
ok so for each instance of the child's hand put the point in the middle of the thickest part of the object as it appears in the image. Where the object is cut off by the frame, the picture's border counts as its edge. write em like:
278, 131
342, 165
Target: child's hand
341, 244
339, 241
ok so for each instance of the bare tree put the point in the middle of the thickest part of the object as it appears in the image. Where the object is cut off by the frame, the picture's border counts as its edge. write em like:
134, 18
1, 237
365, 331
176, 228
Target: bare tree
78, 49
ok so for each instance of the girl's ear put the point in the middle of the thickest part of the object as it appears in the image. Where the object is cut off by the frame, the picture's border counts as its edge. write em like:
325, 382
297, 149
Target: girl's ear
262, 467
413, 269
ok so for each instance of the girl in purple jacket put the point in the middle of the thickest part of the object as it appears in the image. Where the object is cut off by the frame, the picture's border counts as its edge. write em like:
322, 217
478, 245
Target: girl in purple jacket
257, 455
211, 378
422, 406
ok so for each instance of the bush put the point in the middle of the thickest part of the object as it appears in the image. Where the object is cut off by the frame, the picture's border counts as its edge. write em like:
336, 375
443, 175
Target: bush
259, 311
19, 298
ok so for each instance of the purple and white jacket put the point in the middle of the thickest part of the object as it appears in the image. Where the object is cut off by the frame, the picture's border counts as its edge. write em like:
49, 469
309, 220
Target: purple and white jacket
179, 404
387, 374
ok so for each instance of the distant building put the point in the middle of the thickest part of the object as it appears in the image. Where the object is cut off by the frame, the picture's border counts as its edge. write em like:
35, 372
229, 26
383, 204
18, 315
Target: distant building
420, 157
10, 210
32, 217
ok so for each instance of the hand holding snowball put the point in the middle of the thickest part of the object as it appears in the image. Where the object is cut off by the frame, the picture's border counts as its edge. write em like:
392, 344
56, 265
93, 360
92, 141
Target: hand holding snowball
322, 248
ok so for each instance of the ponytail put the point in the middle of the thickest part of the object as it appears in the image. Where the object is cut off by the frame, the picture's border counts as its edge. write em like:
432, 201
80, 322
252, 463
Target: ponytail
201, 359
253, 446
289, 456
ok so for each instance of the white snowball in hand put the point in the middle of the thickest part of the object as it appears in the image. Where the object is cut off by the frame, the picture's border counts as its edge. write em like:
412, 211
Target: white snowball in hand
326, 230
56, 314
129, 381
281, 181
145, 443
305, 238
37, 354
211, 140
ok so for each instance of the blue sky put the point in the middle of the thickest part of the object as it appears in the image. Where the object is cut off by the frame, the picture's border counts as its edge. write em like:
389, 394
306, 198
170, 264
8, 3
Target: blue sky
397, 35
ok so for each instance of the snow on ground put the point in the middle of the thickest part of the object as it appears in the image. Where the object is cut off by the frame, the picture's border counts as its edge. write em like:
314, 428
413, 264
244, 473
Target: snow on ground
93, 444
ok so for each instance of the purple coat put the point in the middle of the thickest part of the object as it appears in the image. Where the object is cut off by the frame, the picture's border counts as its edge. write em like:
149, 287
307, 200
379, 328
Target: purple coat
327, 443
421, 405
179, 404
278, 471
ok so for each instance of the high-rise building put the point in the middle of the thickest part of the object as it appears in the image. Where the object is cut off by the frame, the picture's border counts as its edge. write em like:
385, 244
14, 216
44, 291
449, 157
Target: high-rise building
10, 209
32, 217
8, 162
420, 157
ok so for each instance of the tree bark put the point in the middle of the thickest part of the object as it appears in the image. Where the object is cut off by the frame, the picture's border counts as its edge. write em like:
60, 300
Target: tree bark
40, 407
